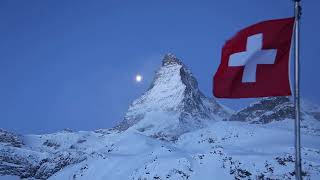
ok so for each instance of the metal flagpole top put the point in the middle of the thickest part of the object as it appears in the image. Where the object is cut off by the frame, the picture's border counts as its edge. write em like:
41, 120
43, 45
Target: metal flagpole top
298, 9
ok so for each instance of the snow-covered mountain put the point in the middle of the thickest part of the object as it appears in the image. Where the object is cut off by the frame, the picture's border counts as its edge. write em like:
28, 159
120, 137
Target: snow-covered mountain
173, 104
266, 110
270, 109
173, 132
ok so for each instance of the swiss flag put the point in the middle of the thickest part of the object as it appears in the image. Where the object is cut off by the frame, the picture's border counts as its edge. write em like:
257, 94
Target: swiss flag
255, 62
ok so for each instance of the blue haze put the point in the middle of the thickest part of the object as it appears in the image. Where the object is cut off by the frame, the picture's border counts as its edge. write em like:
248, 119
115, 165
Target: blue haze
71, 64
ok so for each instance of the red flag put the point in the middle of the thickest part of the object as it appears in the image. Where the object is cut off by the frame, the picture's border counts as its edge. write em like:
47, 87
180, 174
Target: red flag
255, 62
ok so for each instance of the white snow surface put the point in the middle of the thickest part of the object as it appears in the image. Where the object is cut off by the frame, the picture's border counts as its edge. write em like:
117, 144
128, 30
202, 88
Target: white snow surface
159, 106
223, 150
166, 94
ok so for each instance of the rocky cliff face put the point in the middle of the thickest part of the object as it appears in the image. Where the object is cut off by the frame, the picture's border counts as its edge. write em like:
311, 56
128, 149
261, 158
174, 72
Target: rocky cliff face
272, 109
174, 91
266, 110
9, 138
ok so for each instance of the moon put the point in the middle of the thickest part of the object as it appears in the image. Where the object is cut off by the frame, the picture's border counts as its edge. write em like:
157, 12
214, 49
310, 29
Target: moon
138, 78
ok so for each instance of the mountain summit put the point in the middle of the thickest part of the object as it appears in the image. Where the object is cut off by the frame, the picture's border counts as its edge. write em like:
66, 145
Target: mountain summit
170, 59
174, 91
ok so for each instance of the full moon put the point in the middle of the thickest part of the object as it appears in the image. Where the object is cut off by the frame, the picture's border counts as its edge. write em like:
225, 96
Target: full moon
138, 78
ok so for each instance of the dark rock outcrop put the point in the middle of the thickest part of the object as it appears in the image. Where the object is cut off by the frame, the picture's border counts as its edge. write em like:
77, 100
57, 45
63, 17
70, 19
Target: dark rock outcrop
10, 138
266, 110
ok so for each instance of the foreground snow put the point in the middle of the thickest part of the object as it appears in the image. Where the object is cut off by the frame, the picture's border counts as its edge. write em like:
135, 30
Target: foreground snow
221, 150
224, 150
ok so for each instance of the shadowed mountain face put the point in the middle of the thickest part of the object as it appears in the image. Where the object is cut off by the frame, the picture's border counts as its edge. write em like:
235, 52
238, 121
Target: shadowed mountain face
271, 109
266, 110
174, 90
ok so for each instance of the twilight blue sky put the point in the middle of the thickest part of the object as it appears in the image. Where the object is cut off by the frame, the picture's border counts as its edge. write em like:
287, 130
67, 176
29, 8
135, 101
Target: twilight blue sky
71, 64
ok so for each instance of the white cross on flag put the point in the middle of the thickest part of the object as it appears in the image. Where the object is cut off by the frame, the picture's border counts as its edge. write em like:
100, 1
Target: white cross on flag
255, 62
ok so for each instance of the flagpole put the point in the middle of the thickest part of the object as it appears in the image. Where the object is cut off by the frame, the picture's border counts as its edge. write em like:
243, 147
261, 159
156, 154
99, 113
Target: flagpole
297, 14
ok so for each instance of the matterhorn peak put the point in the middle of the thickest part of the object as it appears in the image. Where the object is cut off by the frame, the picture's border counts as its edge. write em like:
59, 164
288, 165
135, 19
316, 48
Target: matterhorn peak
170, 58
173, 104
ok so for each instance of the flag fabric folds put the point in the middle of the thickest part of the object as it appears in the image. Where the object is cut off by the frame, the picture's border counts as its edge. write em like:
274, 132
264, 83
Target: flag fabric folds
255, 62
